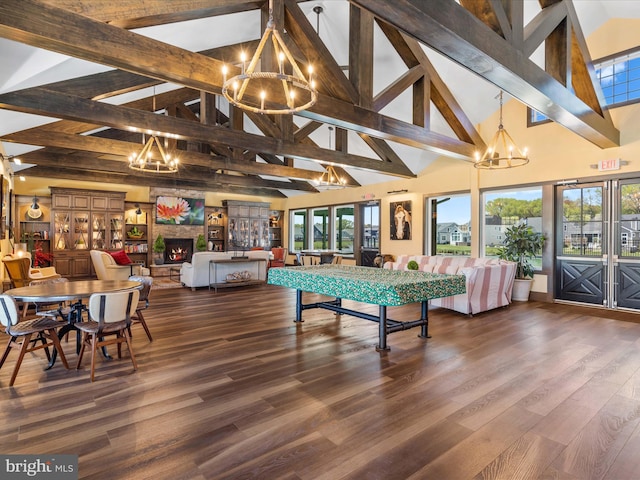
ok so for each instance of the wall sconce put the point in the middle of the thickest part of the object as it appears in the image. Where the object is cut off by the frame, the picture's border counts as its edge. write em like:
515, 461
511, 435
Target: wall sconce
396, 192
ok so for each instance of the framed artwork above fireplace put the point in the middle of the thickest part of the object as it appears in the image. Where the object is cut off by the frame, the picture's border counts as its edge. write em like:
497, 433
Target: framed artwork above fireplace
179, 210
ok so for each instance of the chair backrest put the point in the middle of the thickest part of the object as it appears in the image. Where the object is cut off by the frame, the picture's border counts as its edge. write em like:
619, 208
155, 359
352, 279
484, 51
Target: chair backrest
113, 307
147, 283
291, 259
18, 270
310, 260
337, 259
279, 253
8, 311
99, 260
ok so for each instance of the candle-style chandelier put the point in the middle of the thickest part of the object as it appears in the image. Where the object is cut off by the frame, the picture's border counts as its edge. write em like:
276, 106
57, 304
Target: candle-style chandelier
296, 92
511, 155
329, 179
145, 161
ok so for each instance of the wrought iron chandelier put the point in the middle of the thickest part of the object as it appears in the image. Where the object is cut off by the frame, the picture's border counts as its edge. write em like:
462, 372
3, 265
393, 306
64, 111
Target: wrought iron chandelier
330, 179
145, 161
297, 93
511, 156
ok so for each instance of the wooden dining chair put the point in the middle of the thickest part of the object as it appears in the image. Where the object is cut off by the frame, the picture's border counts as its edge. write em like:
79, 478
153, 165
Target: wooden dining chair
109, 321
310, 260
21, 274
45, 329
143, 301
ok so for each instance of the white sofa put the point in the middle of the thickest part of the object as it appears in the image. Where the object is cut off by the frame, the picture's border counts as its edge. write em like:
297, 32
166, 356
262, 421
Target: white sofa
489, 281
195, 274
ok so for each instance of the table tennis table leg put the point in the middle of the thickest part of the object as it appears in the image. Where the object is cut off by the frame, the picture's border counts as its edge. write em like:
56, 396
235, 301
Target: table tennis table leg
382, 329
299, 306
424, 330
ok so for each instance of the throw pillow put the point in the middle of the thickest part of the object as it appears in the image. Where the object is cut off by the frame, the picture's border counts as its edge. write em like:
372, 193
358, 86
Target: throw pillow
121, 257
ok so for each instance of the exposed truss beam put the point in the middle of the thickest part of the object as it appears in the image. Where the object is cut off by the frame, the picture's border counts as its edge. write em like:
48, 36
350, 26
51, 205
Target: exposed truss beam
443, 23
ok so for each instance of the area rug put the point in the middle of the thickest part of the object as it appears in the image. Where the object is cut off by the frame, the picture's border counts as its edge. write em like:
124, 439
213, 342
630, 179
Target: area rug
165, 282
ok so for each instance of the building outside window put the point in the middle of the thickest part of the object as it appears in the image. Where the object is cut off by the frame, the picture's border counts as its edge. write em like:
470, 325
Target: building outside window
504, 208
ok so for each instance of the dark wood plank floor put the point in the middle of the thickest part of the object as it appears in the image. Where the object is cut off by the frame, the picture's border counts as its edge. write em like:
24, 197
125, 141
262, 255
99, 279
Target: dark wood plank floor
232, 388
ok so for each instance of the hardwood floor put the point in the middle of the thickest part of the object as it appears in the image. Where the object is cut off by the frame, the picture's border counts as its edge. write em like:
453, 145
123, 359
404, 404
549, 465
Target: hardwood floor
232, 388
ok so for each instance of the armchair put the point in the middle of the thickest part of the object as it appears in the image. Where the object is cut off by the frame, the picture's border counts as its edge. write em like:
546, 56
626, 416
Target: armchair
21, 273
106, 267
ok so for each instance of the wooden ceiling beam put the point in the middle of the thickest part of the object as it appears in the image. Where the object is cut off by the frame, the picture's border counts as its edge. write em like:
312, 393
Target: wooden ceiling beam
106, 163
116, 147
154, 12
44, 102
82, 37
441, 24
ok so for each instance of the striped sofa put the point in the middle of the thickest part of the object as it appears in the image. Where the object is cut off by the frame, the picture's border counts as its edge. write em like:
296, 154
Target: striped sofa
489, 280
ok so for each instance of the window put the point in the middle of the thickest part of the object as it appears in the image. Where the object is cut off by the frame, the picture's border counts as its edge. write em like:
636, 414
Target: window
299, 230
320, 223
619, 78
582, 221
450, 217
344, 227
504, 208
371, 226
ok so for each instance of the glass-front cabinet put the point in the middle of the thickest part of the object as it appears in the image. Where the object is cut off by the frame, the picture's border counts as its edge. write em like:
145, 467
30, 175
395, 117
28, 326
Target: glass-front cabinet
71, 230
107, 231
84, 220
248, 225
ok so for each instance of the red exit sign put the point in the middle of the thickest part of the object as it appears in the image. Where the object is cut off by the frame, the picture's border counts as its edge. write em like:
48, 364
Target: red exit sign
610, 164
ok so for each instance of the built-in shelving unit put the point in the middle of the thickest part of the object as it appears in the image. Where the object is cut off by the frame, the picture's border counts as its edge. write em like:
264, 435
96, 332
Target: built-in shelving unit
137, 231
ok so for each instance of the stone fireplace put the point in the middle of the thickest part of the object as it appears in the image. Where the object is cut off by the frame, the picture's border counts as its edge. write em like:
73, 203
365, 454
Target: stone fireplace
178, 250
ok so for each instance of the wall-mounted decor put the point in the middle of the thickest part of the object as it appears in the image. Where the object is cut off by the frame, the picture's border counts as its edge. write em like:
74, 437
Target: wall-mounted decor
401, 220
179, 210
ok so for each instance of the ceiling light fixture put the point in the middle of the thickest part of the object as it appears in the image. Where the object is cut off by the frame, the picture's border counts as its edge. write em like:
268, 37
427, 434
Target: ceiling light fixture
144, 161
296, 93
501, 141
330, 179
34, 210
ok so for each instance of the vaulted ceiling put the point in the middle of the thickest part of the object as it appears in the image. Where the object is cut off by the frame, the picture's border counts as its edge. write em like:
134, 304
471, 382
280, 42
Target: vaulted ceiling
141, 56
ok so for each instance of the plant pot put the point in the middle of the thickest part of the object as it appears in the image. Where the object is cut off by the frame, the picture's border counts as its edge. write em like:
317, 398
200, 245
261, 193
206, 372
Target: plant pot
159, 259
521, 289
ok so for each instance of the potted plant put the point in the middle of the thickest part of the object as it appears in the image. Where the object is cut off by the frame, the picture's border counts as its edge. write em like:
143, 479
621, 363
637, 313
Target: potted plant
521, 245
159, 248
201, 243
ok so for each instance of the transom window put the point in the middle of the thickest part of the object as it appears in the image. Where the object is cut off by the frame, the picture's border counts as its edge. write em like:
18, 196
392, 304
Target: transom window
619, 77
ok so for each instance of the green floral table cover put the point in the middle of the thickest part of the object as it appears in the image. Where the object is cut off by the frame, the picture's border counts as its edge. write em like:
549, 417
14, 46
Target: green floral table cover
367, 284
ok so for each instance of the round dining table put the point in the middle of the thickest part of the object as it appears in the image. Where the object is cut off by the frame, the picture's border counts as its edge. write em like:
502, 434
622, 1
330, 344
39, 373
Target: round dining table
74, 292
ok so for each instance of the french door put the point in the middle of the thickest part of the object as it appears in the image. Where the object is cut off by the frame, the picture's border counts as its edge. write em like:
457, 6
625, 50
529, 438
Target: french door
369, 233
598, 249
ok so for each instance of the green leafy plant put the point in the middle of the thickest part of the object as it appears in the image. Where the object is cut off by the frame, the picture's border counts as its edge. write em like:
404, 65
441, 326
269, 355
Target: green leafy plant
201, 243
159, 246
412, 265
520, 245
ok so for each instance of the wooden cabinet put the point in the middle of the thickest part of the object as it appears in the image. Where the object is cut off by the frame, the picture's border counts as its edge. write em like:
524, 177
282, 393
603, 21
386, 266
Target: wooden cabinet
275, 228
83, 220
137, 230
76, 264
248, 225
